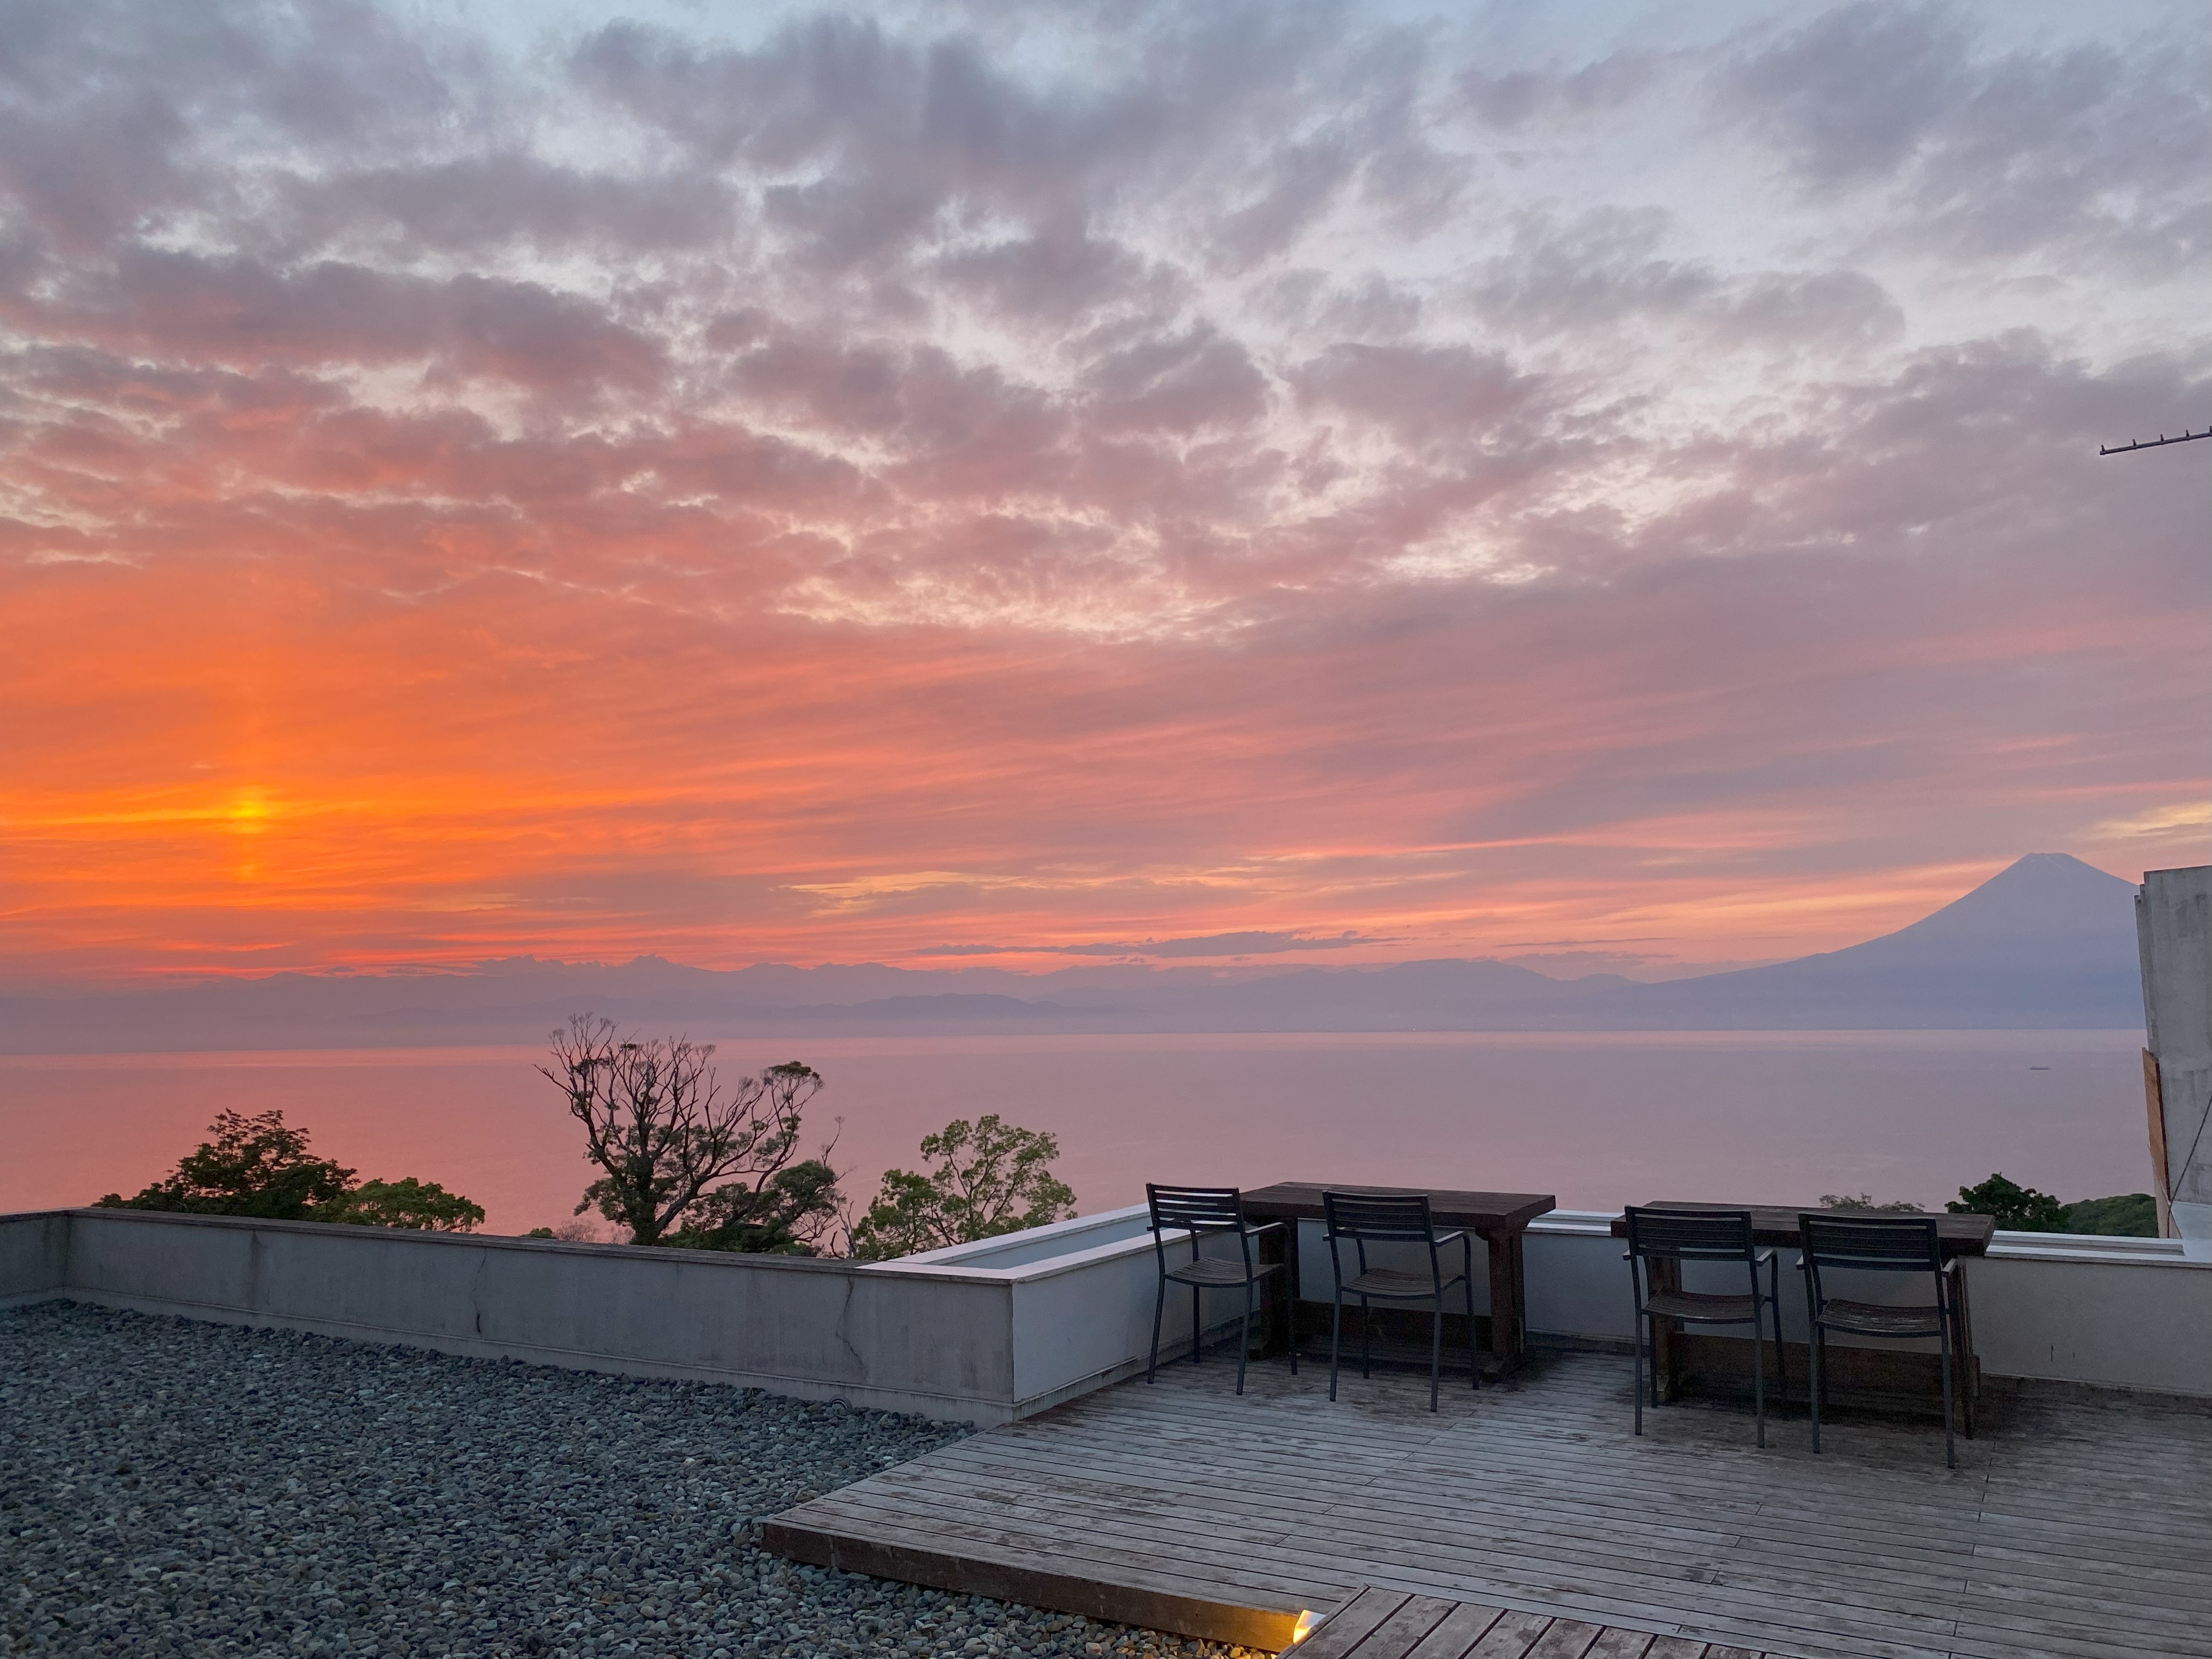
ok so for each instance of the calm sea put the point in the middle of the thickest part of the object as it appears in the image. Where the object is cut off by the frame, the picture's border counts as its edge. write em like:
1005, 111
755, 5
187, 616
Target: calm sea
1597, 1118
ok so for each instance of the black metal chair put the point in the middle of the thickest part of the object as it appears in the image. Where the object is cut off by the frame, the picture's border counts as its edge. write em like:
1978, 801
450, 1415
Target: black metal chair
1203, 1212
1679, 1236
1367, 1219
1880, 1244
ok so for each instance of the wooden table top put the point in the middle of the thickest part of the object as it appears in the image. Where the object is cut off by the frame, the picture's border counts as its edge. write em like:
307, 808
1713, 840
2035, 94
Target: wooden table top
1776, 1224
1483, 1213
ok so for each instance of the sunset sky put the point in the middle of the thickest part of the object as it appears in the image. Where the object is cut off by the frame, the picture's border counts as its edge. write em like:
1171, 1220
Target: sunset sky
1605, 486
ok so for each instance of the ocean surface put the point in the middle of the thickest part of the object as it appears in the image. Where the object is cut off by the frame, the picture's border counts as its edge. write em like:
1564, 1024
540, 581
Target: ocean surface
1598, 1119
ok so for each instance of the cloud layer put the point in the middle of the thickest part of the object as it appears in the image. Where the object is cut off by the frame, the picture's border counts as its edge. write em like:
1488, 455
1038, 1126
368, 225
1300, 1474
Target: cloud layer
930, 483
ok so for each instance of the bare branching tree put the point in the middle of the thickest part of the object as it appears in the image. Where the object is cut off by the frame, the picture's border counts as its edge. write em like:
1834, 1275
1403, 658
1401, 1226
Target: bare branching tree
662, 1129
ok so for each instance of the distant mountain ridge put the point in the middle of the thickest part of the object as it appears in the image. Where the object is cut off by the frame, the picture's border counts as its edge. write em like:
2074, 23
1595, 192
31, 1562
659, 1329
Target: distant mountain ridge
2049, 942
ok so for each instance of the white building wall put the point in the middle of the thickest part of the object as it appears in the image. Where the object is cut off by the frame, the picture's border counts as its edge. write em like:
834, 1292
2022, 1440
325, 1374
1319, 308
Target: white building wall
2173, 927
985, 1332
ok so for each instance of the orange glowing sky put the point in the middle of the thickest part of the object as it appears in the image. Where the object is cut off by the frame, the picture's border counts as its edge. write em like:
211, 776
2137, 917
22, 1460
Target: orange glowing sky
948, 489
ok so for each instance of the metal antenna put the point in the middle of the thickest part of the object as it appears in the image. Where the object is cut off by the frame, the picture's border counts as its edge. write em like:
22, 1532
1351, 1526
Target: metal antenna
2154, 443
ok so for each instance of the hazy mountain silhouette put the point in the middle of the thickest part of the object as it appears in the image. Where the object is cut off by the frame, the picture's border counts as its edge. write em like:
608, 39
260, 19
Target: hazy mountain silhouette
2049, 942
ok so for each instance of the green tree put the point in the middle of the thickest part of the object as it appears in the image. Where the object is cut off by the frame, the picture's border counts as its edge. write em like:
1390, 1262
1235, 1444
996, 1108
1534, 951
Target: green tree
422, 1205
254, 1166
1865, 1201
2128, 1215
260, 1166
790, 1213
987, 1178
2017, 1209
665, 1133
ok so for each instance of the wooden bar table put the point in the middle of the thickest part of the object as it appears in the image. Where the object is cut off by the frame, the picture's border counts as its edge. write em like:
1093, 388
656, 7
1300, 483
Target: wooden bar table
1499, 1219
1775, 1226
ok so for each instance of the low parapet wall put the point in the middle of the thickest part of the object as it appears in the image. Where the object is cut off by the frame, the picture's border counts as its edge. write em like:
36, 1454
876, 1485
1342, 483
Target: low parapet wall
974, 1344
817, 1329
983, 1333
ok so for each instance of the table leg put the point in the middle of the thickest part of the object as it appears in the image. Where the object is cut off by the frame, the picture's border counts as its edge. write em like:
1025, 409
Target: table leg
1282, 1322
1509, 1300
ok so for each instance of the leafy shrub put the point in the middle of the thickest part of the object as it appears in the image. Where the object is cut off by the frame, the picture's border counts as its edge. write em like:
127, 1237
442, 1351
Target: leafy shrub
989, 1178
2017, 1209
259, 1166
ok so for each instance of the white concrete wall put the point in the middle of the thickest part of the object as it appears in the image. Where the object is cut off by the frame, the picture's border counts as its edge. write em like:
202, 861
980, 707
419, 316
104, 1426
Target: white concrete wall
984, 1333
2173, 927
33, 1257
817, 1329
2127, 1313
1084, 1293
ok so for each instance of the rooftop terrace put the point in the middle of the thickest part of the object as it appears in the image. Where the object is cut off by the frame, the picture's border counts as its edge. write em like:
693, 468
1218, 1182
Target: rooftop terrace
2075, 1525
276, 1491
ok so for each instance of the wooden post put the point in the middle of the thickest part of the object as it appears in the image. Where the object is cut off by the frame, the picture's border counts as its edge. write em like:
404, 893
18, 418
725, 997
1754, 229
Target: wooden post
2154, 1099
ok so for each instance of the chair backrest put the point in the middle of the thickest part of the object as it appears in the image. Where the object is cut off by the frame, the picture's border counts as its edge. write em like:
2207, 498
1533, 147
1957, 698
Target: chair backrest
1371, 1215
1690, 1235
1872, 1244
1194, 1209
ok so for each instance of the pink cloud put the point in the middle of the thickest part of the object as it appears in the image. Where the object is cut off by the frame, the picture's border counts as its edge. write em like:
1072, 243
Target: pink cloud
898, 496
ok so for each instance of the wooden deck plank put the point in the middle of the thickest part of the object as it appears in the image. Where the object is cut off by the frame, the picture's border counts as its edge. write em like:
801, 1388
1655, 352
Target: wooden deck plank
1621, 1644
1456, 1636
2069, 1530
1347, 1630
1568, 1639
1511, 1638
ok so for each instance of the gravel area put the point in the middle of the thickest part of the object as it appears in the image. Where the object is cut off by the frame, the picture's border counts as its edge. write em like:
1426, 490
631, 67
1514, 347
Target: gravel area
170, 1486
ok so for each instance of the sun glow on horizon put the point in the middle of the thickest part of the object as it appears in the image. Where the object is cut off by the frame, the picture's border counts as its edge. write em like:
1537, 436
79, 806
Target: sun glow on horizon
1445, 492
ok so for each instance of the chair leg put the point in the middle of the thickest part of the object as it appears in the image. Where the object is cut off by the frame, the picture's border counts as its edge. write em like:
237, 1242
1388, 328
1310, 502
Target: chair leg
1639, 1371
1966, 1378
1950, 1450
1159, 1306
1781, 1354
1473, 1353
1435, 1349
1818, 1350
1758, 1366
1245, 1338
1335, 1333
1366, 1339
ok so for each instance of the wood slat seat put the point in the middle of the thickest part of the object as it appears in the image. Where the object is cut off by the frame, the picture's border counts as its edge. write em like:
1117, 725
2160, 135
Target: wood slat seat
1390, 1282
1696, 1305
1207, 1271
1875, 1319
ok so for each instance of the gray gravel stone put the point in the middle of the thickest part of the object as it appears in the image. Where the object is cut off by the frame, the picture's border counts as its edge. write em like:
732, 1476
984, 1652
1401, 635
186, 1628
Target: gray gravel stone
173, 1487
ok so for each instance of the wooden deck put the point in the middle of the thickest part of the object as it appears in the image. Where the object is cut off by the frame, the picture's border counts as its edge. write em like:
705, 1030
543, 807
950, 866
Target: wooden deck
2074, 1528
1380, 1624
